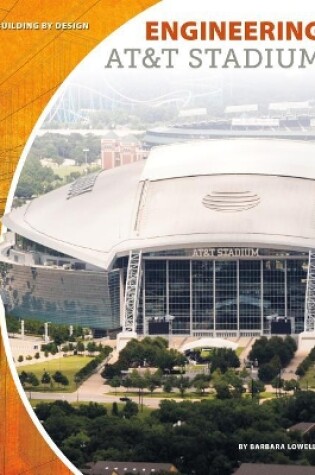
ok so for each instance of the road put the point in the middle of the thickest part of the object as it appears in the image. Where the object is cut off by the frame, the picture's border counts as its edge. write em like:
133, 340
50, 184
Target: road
100, 398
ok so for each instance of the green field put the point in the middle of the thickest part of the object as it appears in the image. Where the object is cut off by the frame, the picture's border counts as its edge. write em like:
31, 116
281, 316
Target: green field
308, 381
196, 368
267, 395
239, 350
65, 170
68, 366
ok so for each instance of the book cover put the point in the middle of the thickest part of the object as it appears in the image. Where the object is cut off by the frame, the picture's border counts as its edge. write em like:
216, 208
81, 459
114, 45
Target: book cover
157, 237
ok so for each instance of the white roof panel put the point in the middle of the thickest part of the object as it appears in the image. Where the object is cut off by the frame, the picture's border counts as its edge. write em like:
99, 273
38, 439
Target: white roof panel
234, 156
253, 121
283, 106
193, 112
241, 108
223, 192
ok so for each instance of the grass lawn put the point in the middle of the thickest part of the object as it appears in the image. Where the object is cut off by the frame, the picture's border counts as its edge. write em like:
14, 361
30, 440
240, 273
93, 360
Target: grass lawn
196, 368
189, 395
239, 350
308, 381
267, 395
64, 171
67, 169
68, 366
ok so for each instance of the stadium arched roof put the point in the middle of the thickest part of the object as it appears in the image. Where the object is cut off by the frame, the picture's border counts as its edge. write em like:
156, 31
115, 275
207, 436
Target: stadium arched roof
238, 192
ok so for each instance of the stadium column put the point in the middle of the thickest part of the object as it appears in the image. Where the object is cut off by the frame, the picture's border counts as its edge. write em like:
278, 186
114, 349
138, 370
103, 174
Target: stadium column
262, 296
167, 288
238, 295
145, 325
122, 296
191, 298
285, 288
214, 297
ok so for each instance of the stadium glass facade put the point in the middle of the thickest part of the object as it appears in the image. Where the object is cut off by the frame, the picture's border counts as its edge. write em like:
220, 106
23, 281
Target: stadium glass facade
76, 297
206, 291
223, 291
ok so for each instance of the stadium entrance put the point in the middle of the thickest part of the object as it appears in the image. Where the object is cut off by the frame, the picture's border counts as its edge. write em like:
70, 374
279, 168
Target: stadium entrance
223, 292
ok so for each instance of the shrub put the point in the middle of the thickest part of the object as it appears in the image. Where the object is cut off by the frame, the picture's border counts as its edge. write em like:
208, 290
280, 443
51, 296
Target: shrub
304, 366
264, 350
88, 369
267, 372
20, 358
130, 409
167, 388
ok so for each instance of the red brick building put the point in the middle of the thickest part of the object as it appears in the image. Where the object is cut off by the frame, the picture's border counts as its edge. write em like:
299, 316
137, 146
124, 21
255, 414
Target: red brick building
117, 151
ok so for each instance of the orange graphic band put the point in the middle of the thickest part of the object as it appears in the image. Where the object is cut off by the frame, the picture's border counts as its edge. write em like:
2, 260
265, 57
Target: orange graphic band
33, 65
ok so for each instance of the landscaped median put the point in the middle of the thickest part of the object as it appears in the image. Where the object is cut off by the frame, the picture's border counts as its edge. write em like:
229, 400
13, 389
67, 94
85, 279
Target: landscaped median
45, 376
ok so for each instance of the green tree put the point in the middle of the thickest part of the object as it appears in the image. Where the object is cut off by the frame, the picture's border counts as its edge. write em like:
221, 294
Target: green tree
115, 411
183, 383
153, 380
131, 409
32, 379
115, 383
80, 347
291, 385
222, 389
277, 382
256, 387
91, 347
23, 378
223, 358
201, 386
264, 350
92, 410
13, 325
35, 179
168, 386
267, 372
46, 378
60, 378
137, 381
64, 380
201, 382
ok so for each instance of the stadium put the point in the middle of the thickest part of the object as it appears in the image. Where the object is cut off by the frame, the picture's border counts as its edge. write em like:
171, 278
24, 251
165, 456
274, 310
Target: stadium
208, 238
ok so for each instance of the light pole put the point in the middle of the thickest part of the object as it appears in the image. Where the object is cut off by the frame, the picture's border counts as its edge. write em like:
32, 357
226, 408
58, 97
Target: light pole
46, 337
170, 319
86, 151
22, 329
77, 380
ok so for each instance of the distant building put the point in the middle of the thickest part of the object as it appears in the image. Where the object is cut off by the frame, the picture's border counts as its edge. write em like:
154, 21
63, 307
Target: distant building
273, 469
307, 430
251, 109
136, 468
117, 151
